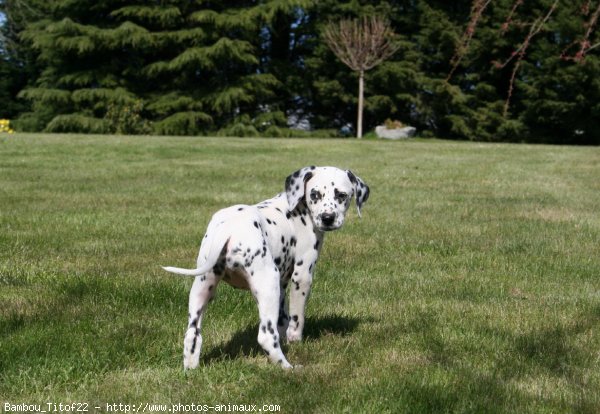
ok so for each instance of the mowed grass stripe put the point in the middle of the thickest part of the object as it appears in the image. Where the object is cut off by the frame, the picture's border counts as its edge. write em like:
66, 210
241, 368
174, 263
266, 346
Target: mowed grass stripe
471, 284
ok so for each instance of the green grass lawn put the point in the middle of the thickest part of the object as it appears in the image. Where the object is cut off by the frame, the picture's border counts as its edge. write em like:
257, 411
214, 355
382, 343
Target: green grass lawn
471, 284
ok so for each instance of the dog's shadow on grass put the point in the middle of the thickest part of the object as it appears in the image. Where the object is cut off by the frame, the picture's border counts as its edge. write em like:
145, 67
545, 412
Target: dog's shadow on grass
244, 342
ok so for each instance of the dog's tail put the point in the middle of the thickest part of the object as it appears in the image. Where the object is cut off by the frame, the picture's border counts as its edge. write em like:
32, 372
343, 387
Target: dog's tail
217, 248
189, 272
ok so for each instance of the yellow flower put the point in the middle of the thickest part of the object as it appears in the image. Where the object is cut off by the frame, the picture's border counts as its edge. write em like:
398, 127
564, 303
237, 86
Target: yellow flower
5, 126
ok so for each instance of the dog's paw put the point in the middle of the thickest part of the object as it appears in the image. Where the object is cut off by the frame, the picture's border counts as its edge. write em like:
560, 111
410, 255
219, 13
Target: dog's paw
190, 363
294, 336
191, 349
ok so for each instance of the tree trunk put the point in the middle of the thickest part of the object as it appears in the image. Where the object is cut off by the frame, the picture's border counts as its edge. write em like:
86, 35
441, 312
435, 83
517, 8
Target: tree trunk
361, 91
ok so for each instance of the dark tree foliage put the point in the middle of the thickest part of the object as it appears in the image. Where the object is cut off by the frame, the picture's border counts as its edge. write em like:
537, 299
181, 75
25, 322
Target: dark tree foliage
185, 66
486, 70
17, 63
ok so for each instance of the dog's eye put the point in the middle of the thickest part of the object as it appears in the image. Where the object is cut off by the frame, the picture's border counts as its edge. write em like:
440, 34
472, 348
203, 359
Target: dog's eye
315, 195
340, 197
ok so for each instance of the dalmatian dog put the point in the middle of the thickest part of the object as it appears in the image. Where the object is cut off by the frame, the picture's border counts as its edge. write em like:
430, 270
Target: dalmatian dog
265, 246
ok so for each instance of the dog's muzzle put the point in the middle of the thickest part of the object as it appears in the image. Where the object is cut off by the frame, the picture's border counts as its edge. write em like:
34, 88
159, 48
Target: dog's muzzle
328, 221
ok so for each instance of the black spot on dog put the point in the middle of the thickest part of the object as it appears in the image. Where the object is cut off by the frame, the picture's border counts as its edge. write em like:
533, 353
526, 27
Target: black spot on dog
256, 225
351, 177
300, 263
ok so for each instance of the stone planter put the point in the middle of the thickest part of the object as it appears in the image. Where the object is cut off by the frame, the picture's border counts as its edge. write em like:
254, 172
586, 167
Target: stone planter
397, 133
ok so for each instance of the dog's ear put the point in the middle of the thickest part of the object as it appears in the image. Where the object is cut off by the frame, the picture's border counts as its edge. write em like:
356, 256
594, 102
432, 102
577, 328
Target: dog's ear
295, 185
361, 190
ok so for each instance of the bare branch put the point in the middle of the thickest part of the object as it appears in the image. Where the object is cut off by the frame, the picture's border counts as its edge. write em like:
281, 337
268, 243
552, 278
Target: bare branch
461, 49
361, 44
535, 28
509, 18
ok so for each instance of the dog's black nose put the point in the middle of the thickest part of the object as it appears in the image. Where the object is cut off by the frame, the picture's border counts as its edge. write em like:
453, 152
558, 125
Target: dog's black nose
327, 218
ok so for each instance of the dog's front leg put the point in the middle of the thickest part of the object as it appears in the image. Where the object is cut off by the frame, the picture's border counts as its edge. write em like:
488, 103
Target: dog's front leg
266, 290
284, 318
299, 293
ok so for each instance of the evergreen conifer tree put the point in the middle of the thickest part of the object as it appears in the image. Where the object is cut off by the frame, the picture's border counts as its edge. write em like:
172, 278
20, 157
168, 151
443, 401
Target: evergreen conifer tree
249, 67
189, 67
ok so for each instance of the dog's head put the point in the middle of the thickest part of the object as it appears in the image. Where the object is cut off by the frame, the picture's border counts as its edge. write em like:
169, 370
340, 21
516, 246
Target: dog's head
327, 192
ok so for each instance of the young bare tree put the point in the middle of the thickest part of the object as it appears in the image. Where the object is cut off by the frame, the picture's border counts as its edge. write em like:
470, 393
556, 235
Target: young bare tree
361, 44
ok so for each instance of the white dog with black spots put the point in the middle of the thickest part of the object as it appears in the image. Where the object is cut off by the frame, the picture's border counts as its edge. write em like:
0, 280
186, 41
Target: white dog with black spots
265, 246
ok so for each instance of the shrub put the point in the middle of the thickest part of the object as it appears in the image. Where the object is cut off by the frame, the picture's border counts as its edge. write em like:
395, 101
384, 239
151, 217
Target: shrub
126, 119
393, 124
5, 127
77, 123
182, 123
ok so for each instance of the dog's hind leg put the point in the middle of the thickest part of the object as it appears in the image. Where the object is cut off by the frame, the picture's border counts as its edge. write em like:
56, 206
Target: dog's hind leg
203, 290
